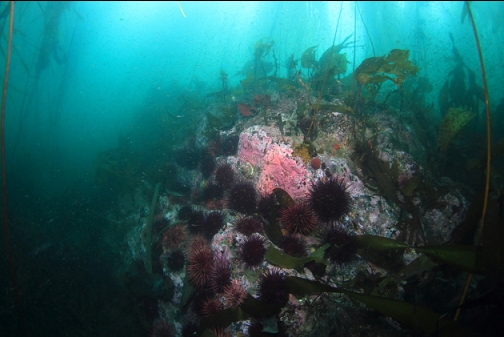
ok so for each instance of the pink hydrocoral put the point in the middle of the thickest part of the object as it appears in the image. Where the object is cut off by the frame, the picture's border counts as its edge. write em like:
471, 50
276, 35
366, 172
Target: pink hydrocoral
280, 170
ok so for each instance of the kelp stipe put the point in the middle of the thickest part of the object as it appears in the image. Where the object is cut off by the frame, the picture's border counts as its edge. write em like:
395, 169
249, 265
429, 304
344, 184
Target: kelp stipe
8, 245
489, 145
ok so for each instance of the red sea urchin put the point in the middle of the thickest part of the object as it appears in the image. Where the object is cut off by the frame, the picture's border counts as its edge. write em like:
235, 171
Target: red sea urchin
210, 306
252, 250
249, 225
162, 329
174, 236
234, 295
199, 262
273, 288
221, 273
220, 332
298, 218
330, 199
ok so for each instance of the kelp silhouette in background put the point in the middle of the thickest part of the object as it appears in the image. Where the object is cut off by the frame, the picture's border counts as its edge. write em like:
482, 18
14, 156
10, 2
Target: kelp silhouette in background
460, 89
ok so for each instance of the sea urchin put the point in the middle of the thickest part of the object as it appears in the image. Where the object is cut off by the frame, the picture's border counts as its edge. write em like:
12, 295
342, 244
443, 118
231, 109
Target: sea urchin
234, 294
273, 288
224, 176
330, 199
221, 273
199, 262
174, 236
252, 250
343, 246
298, 218
243, 197
249, 225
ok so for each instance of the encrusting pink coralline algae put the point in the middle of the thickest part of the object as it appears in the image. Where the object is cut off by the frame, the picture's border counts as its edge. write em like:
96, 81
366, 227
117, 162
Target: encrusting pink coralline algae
275, 162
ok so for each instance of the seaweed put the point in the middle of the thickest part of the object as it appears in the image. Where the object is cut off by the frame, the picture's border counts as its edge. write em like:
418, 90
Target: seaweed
278, 199
378, 174
308, 59
332, 59
224, 80
454, 120
147, 233
483, 260
395, 67
460, 88
305, 151
262, 47
279, 258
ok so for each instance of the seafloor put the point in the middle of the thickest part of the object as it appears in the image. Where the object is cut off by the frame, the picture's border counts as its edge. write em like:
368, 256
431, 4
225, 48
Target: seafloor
374, 151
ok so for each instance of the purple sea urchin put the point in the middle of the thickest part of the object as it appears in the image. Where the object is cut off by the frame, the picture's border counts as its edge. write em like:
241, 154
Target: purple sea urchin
343, 247
294, 246
273, 288
190, 329
196, 222
207, 164
330, 199
334, 235
176, 260
212, 192
229, 145
185, 213
213, 223
267, 205
224, 176
243, 197
298, 218
252, 250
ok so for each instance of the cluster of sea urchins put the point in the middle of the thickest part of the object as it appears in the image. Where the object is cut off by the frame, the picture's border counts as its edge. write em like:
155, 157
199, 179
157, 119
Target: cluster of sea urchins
326, 204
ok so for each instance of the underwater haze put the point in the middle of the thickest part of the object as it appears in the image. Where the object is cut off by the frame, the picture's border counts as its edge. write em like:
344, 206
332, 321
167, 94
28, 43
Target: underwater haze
253, 168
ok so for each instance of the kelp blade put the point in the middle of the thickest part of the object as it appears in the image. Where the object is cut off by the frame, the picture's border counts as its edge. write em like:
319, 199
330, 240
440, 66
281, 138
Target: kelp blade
481, 260
379, 243
279, 258
416, 318
421, 320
